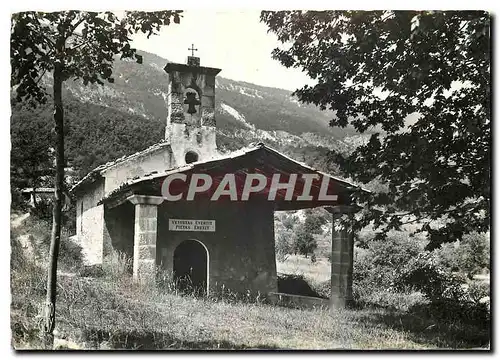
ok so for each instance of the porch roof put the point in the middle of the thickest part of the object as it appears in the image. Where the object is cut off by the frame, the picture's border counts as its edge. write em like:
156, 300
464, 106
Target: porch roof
257, 158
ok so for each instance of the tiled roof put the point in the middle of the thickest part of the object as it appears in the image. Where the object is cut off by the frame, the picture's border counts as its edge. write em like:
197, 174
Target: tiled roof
232, 155
97, 172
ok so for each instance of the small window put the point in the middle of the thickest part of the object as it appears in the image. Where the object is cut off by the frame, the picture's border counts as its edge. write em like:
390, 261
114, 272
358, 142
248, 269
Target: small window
191, 157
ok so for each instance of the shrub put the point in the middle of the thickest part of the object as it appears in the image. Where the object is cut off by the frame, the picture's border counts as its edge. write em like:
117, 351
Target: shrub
17, 200
27, 288
471, 255
284, 245
42, 210
450, 297
91, 271
17, 257
117, 265
424, 274
474, 253
322, 288
70, 253
376, 268
478, 290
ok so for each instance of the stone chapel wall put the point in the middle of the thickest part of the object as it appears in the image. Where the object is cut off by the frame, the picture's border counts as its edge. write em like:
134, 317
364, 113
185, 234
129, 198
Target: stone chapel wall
241, 250
158, 160
90, 223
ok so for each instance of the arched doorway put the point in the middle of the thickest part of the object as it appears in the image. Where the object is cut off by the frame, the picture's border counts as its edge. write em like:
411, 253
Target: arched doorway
191, 266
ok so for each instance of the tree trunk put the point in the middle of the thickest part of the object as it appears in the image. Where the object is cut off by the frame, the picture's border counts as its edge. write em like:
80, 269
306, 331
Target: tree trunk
50, 304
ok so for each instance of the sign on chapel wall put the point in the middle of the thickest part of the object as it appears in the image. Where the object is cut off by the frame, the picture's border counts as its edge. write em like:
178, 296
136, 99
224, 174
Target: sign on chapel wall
191, 225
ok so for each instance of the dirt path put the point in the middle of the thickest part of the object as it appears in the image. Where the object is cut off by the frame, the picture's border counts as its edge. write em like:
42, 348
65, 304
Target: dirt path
16, 219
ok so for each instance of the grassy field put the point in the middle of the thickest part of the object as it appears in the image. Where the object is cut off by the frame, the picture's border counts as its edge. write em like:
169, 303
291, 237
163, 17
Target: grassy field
317, 272
102, 314
111, 311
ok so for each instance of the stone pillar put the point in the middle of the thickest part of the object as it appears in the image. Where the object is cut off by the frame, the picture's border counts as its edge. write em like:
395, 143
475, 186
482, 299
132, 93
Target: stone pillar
145, 229
342, 258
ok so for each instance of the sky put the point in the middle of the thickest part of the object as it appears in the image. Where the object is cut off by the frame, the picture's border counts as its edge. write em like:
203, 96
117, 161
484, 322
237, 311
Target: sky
234, 41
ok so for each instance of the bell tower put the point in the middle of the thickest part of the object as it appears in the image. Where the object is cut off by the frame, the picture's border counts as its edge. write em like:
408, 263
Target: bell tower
190, 128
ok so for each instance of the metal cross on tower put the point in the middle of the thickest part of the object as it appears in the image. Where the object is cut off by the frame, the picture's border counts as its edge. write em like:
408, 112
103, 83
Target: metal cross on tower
192, 49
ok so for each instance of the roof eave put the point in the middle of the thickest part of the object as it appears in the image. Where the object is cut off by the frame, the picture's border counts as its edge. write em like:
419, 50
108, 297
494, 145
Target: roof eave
350, 187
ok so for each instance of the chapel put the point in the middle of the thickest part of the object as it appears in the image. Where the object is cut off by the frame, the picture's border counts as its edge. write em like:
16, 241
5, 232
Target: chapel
228, 243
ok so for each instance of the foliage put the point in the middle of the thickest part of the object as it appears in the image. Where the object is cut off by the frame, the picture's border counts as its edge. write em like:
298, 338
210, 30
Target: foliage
38, 232
89, 40
284, 245
304, 242
117, 265
284, 234
114, 312
450, 297
103, 314
421, 80
424, 274
376, 268
314, 221
446, 256
70, 45
294, 236
474, 254
30, 157
95, 134
399, 274
42, 210
470, 256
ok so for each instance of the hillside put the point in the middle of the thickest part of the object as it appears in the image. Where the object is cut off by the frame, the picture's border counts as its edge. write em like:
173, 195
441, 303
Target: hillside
105, 122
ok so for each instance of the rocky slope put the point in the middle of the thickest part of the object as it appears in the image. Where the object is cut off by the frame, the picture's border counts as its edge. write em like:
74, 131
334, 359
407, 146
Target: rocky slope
128, 115
258, 112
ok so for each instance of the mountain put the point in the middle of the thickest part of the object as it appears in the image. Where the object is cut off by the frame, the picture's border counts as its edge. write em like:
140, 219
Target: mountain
105, 122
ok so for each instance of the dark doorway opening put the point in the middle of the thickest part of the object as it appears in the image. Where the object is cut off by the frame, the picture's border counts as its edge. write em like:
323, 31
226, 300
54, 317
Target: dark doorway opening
190, 267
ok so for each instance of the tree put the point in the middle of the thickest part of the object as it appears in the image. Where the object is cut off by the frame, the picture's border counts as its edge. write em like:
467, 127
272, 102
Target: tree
284, 244
70, 45
314, 221
420, 80
30, 159
473, 254
304, 242
285, 225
